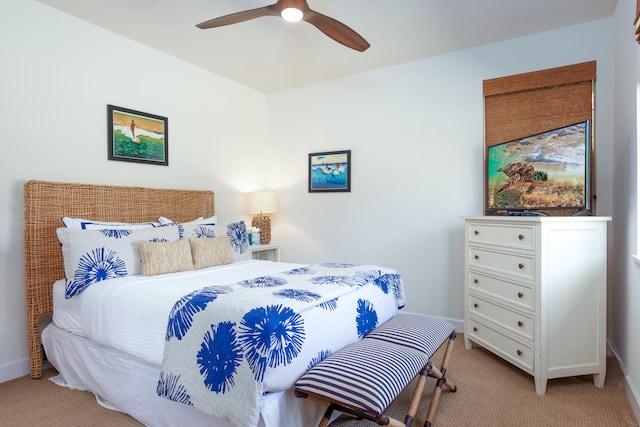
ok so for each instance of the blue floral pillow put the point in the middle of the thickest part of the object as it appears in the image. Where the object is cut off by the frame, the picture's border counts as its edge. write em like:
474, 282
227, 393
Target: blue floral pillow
91, 256
237, 232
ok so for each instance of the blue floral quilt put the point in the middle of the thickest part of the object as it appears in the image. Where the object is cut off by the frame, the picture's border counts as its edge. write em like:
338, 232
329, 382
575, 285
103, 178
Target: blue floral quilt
227, 345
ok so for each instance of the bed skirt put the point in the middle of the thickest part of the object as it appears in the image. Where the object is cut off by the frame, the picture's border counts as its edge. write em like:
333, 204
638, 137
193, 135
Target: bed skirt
124, 383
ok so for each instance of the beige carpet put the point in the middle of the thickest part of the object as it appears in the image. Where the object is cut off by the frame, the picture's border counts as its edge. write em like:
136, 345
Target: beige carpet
28, 402
490, 392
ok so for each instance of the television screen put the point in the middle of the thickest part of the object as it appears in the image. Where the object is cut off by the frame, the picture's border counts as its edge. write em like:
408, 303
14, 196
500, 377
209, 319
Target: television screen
545, 171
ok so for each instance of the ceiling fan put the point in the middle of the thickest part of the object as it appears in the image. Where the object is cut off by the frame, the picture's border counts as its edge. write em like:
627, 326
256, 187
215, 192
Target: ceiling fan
296, 10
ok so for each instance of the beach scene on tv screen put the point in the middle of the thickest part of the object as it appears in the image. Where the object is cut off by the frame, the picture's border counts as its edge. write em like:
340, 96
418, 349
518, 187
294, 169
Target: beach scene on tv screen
546, 170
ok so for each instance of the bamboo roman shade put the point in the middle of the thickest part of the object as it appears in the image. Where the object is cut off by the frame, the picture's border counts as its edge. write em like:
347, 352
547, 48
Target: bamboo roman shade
529, 103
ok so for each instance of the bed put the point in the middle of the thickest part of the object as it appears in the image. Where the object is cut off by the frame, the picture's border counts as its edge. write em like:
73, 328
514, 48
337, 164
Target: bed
91, 357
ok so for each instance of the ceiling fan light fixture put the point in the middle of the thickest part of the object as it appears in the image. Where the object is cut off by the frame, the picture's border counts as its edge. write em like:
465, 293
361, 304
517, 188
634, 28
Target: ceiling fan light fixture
295, 10
291, 14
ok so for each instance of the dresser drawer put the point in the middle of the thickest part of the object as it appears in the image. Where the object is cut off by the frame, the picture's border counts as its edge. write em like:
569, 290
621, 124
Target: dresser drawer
520, 237
515, 321
511, 263
512, 292
504, 346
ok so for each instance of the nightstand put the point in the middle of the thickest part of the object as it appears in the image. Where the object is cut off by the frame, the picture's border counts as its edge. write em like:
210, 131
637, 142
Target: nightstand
265, 252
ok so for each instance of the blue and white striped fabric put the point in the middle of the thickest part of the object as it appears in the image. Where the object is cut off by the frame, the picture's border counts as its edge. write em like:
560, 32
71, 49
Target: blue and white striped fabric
366, 375
421, 333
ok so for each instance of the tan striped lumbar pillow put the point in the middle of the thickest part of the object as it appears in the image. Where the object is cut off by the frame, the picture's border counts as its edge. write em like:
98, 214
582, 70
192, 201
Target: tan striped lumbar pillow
208, 251
165, 257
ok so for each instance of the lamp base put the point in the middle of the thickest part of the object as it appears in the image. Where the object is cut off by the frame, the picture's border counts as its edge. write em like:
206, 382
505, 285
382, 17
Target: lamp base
263, 222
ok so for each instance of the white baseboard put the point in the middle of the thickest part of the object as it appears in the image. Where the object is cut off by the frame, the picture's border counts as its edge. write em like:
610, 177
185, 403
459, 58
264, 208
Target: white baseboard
633, 397
458, 324
630, 389
14, 370
18, 369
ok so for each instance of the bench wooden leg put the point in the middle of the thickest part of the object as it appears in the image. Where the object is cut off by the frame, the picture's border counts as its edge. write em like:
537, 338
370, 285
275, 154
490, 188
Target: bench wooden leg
439, 374
324, 422
417, 394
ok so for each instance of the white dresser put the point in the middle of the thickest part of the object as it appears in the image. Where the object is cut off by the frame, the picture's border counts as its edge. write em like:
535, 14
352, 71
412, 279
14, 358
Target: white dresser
535, 293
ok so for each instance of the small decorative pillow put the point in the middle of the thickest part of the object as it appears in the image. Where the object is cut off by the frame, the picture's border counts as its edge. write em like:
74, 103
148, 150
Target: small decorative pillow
239, 239
89, 224
91, 256
210, 252
165, 257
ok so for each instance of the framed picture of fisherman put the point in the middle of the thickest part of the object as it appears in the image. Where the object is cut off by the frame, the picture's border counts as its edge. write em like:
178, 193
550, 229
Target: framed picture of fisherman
139, 137
330, 171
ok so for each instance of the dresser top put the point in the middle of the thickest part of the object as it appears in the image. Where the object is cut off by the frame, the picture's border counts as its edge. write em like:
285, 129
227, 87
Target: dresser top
526, 218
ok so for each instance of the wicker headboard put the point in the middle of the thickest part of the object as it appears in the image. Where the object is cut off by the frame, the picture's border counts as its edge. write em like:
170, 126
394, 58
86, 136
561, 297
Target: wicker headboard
45, 203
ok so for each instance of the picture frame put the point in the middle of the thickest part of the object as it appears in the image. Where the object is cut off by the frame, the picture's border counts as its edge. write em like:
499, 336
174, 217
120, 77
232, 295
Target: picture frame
330, 171
138, 137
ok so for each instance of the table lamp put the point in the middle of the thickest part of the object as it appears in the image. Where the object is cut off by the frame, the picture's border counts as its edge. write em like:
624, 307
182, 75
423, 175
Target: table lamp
260, 204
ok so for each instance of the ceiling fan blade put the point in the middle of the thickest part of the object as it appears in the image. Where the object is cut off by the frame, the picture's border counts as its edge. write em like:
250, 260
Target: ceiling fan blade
336, 30
234, 18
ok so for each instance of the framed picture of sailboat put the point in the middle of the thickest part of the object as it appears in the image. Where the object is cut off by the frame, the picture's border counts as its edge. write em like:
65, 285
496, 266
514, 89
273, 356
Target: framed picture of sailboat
330, 171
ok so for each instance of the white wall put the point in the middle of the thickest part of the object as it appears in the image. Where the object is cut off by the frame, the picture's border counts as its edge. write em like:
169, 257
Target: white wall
416, 135
624, 292
57, 76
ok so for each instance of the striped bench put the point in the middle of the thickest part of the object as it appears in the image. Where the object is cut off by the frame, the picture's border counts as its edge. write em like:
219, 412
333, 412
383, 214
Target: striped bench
364, 378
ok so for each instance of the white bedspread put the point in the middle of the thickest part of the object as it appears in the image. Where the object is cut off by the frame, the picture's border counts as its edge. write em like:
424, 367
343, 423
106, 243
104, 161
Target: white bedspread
131, 313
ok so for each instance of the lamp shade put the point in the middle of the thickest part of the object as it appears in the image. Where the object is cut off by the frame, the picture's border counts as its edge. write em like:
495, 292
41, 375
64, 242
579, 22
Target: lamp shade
262, 202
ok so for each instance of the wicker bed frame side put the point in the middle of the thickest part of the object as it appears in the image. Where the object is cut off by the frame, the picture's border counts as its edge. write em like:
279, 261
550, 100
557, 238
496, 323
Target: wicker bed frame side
45, 203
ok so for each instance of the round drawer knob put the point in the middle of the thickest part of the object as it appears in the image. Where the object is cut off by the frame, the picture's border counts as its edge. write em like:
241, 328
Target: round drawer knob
520, 323
475, 329
520, 294
475, 305
476, 232
476, 281
520, 237
519, 352
476, 257
520, 266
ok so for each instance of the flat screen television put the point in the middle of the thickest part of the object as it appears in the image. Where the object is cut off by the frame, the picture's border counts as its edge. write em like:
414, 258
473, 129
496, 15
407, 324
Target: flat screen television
542, 173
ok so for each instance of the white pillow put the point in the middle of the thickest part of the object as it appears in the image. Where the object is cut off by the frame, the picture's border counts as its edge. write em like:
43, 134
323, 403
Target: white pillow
89, 224
212, 220
237, 232
91, 256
